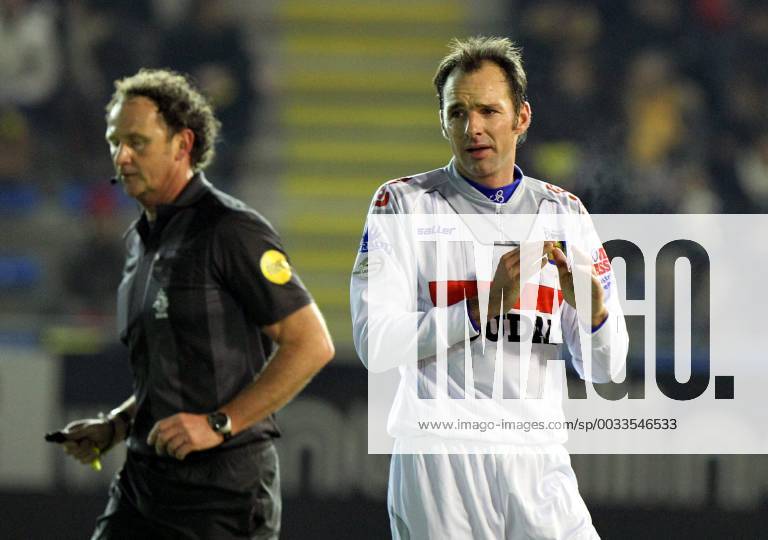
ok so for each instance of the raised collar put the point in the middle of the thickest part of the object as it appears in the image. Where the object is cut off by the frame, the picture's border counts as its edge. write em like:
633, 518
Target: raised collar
197, 186
498, 195
473, 194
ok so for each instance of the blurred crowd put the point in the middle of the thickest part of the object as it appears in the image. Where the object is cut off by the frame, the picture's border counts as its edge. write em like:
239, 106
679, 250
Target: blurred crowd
638, 106
58, 61
649, 106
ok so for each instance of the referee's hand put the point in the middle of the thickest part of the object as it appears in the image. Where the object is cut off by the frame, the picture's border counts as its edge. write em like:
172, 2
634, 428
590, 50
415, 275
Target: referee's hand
86, 439
179, 435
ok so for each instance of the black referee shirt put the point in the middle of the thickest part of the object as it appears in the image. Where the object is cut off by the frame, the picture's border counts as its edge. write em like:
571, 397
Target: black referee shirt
197, 287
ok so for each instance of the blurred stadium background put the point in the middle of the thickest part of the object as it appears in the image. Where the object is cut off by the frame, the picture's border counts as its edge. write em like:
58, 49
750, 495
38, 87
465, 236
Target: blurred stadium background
643, 106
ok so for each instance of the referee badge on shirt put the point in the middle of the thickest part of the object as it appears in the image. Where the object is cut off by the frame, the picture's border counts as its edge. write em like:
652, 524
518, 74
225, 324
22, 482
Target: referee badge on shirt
275, 267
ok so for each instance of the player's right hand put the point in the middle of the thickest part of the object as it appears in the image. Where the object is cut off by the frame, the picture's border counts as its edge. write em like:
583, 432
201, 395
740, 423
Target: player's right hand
509, 275
87, 438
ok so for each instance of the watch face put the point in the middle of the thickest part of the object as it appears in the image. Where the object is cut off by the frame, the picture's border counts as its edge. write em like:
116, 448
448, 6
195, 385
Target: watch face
217, 421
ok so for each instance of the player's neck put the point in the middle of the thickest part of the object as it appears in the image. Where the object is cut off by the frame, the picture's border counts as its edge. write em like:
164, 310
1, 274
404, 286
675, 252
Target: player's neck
497, 180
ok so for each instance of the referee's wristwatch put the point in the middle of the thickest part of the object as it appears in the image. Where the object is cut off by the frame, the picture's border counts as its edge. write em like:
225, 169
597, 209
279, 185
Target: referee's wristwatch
221, 423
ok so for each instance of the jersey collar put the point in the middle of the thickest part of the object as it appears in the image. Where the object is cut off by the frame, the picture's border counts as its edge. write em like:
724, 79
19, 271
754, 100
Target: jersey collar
468, 187
498, 195
197, 186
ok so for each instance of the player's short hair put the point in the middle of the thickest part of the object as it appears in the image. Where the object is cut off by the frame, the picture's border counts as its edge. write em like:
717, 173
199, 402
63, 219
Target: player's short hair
181, 105
469, 54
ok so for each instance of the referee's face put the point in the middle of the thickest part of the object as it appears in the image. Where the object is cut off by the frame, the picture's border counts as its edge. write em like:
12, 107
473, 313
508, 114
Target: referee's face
146, 155
480, 122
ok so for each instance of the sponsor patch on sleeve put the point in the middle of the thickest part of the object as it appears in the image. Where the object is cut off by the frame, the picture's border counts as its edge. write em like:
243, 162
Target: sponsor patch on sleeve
605, 281
382, 197
275, 267
364, 242
366, 267
361, 269
600, 261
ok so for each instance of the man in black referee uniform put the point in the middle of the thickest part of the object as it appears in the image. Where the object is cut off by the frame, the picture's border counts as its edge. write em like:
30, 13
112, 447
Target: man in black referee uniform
206, 291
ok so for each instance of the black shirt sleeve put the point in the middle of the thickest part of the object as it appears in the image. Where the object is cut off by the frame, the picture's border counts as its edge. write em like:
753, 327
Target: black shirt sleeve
249, 261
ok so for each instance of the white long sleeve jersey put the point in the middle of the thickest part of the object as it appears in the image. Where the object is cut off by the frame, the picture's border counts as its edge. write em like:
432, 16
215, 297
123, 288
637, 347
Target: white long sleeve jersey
431, 241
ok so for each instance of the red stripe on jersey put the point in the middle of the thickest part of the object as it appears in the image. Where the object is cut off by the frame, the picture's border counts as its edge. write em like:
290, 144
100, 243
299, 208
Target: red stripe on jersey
544, 299
457, 290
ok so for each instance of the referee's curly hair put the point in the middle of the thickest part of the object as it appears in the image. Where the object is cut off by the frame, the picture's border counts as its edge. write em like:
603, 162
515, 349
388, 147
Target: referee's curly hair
181, 105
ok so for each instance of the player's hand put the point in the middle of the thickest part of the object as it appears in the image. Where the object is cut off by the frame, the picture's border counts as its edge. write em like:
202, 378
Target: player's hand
179, 435
87, 438
509, 276
582, 266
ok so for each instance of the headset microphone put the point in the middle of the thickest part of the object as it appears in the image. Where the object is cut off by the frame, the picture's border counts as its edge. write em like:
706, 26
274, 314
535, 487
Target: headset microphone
113, 180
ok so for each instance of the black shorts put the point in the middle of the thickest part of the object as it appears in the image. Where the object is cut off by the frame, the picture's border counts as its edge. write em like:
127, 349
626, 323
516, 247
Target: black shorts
230, 494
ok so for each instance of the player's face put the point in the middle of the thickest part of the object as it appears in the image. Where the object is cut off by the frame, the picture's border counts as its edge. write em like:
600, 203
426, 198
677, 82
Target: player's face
480, 122
143, 151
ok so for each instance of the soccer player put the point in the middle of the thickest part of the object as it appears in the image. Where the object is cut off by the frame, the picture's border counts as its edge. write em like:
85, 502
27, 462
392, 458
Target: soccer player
479, 482
207, 290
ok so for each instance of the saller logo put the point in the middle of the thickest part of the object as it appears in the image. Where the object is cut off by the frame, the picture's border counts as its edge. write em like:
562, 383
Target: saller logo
275, 267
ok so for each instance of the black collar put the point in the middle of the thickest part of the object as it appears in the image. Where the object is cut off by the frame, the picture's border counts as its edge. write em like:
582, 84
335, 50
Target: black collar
197, 186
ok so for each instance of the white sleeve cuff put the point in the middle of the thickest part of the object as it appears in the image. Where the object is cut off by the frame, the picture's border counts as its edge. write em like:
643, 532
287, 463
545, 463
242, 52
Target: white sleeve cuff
602, 336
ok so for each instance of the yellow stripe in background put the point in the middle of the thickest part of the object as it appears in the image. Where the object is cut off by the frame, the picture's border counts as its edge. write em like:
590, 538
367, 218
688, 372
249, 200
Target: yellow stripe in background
360, 116
330, 187
330, 260
376, 82
324, 224
371, 46
422, 155
360, 12
337, 297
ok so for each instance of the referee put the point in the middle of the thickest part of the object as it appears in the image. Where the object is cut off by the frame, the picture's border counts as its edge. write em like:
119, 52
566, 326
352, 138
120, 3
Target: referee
207, 290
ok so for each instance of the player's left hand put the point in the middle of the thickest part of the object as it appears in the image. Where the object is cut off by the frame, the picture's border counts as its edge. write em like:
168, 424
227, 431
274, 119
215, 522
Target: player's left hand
582, 265
181, 434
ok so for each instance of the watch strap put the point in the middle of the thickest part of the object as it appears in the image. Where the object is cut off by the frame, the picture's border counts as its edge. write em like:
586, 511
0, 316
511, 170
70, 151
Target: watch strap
125, 417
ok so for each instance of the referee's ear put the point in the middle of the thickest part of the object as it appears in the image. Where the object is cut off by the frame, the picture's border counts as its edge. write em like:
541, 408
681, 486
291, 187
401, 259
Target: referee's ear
186, 143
